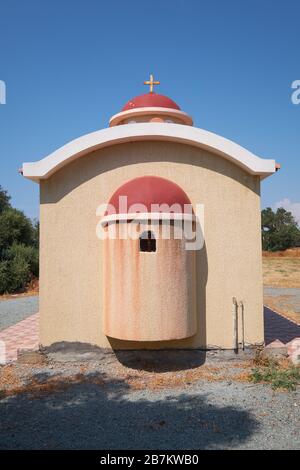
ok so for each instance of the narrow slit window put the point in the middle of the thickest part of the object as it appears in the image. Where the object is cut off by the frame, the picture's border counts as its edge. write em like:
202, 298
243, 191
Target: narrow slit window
147, 241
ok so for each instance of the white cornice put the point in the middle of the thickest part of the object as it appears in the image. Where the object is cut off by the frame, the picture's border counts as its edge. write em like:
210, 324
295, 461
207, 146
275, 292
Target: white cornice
134, 112
214, 143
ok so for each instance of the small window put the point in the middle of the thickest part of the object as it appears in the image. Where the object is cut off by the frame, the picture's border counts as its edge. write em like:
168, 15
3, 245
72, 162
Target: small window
147, 241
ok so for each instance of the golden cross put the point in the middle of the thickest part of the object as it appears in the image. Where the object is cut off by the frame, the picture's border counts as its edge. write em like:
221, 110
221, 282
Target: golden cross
151, 82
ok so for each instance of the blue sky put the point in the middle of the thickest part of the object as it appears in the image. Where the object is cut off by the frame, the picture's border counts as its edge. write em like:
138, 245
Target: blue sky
69, 65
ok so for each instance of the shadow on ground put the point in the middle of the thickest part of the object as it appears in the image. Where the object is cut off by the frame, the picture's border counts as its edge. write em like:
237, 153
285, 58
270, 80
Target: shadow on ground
278, 327
106, 414
161, 361
140, 359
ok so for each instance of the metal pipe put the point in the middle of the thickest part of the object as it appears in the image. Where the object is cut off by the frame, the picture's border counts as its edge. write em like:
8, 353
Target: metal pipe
242, 309
235, 324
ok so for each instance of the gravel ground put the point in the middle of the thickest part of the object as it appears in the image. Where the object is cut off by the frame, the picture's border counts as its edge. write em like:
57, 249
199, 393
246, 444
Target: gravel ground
107, 401
104, 404
14, 310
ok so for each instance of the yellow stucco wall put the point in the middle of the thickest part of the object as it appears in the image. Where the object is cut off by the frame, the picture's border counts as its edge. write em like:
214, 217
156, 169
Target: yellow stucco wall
71, 279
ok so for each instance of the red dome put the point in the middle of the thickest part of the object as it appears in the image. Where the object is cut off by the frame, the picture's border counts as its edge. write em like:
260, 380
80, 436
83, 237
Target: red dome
150, 100
148, 190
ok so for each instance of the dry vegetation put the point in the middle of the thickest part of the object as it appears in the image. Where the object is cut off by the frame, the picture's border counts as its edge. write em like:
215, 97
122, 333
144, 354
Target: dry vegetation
32, 288
283, 305
282, 268
280, 374
36, 381
18, 379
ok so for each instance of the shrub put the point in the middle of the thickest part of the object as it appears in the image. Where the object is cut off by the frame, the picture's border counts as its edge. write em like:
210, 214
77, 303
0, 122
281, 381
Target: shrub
4, 272
14, 275
15, 227
36, 234
18, 274
29, 254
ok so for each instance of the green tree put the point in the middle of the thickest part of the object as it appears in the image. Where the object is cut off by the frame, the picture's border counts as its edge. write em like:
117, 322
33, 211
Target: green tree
36, 233
4, 200
19, 247
30, 254
279, 230
15, 227
4, 277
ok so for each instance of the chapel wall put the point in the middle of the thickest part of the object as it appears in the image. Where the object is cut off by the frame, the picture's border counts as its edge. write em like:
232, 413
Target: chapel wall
229, 264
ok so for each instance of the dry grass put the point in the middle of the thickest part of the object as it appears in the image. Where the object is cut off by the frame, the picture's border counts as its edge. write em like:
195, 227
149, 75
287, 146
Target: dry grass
281, 271
32, 288
8, 377
156, 381
290, 253
15, 379
282, 305
280, 374
12, 384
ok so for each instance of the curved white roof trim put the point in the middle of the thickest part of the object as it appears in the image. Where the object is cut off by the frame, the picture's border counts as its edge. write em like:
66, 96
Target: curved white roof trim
168, 112
77, 148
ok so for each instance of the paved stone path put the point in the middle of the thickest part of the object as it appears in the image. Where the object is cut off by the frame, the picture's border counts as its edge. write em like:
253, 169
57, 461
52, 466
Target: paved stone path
293, 294
284, 300
24, 334
14, 310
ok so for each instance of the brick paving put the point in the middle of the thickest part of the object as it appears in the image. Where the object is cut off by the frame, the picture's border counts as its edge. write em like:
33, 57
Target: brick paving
24, 334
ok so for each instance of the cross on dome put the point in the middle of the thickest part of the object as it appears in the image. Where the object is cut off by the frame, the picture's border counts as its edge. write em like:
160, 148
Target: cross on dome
151, 107
151, 82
